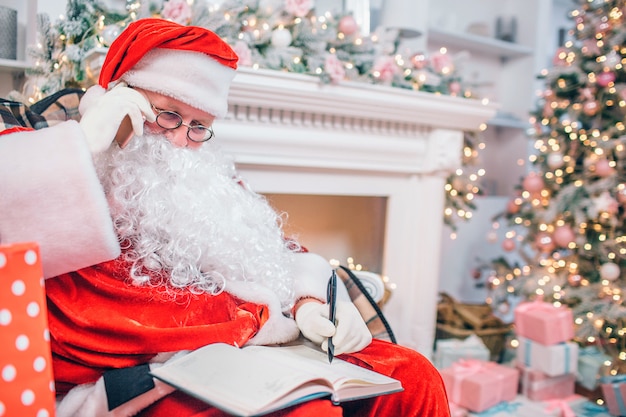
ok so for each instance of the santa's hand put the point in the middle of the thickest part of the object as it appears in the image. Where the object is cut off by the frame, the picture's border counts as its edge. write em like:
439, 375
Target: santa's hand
102, 114
350, 334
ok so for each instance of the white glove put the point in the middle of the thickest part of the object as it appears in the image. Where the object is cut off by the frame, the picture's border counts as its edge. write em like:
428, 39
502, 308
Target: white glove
349, 335
103, 116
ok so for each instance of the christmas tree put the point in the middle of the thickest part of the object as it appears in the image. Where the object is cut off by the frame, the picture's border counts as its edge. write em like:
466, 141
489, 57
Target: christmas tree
566, 228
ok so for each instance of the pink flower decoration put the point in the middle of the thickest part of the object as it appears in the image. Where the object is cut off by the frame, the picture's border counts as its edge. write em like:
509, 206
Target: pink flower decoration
441, 61
298, 8
244, 53
386, 68
177, 11
605, 78
334, 68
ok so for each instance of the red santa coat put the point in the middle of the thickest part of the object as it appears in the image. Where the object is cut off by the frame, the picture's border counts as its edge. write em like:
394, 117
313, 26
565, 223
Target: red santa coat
50, 194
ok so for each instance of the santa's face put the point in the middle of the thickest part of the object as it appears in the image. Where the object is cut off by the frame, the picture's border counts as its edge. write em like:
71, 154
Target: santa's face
190, 116
182, 216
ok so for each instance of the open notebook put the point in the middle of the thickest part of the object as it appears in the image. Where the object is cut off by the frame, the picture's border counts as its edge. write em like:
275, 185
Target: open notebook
256, 380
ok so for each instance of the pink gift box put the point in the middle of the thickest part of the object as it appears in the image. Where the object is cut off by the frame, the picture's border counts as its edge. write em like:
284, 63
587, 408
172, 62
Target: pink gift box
544, 323
537, 386
457, 411
614, 393
478, 385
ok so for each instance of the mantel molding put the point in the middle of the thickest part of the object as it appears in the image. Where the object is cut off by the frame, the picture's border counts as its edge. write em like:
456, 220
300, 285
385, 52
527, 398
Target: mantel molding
291, 92
279, 119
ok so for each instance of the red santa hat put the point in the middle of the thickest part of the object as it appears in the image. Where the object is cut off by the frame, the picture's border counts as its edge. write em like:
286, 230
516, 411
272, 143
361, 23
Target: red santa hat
188, 63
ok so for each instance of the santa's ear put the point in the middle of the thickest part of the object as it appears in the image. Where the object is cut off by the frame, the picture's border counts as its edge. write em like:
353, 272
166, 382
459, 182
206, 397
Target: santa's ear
91, 96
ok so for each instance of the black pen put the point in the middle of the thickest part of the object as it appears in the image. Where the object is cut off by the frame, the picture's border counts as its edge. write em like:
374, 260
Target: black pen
331, 295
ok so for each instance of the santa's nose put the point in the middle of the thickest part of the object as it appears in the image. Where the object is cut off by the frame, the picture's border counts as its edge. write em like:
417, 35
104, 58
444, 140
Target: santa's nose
177, 137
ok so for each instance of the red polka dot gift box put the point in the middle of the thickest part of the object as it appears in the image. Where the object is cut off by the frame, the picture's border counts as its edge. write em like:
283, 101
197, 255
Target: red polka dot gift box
26, 383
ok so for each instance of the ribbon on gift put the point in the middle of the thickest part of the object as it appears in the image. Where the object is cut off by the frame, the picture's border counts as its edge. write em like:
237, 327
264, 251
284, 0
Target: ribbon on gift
615, 381
562, 404
589, 409
502, 407
467, 367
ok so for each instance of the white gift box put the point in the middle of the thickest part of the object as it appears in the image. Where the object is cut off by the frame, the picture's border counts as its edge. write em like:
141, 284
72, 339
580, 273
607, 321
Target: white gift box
449, 351
553, 360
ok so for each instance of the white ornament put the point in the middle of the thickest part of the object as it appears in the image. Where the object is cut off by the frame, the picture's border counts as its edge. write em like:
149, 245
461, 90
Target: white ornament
492, 236
609, 271
110, 33
555, 160
281, 38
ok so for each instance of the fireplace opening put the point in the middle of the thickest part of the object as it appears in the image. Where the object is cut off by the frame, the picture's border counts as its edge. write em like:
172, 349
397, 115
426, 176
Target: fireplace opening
336, 227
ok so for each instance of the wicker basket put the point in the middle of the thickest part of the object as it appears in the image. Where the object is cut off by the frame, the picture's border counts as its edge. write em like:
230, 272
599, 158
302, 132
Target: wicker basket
459, 320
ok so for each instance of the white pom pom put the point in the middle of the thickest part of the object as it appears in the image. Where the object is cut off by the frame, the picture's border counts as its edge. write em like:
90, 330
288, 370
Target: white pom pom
90, 97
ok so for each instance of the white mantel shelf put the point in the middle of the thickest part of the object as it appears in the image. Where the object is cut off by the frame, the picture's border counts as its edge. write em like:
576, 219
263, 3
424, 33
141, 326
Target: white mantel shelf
304, 93
290, 134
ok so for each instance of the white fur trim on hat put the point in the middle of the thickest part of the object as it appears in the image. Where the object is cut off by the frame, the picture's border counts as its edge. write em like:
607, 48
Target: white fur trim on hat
191, 77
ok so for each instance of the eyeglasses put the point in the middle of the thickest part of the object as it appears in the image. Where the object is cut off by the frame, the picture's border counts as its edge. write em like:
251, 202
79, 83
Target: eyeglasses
171, 120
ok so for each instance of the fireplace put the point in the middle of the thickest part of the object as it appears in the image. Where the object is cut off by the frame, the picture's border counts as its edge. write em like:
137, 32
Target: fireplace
365, 149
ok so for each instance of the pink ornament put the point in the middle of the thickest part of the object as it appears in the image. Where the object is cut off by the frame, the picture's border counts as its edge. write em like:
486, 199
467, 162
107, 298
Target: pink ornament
533, 183
544, 242
508, 245
621, 194
574, 280
419, 61
558, 58
348, 25
603, 168
455, 88
512, 207
605, 78
590, 107
563, 235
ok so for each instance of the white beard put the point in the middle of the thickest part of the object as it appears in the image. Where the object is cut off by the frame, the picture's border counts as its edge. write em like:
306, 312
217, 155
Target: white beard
182, 215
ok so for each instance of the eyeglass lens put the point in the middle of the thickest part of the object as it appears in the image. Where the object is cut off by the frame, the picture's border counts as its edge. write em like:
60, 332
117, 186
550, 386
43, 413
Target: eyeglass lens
172, 120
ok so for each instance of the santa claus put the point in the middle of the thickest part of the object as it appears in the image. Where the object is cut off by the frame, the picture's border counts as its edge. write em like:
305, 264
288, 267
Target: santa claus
152, 246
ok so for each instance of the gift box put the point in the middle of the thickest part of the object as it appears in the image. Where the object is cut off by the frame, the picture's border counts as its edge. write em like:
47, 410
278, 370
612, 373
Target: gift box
589, 409
457, 411
26, 385
614, 393
544, 323
590, 361
449, 351
537, 386
503, 409
552, 360
479, 385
